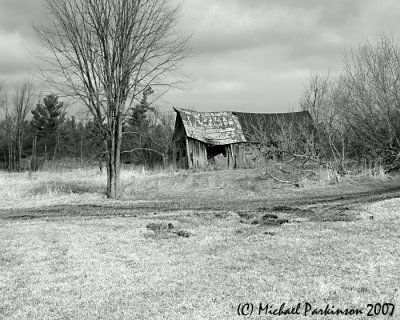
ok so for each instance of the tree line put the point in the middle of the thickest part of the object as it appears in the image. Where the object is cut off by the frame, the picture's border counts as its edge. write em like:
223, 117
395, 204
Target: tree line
32, 133
357, 112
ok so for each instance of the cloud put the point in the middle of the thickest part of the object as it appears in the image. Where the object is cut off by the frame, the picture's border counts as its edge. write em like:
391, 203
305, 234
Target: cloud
14, 54
18, 16
252, 54
268, 48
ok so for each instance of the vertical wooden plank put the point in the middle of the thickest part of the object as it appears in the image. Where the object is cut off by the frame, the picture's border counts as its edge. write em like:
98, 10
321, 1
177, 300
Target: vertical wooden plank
189, 162
205, 155
242, 155
182, 155
174, 154
197, 154
227, 151
195, 157
232, 153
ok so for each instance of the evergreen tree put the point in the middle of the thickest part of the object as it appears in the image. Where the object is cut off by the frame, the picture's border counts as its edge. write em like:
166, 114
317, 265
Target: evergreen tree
47, 119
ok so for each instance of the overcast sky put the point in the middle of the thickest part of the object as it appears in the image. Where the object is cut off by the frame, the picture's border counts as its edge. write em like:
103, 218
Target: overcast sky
252, 55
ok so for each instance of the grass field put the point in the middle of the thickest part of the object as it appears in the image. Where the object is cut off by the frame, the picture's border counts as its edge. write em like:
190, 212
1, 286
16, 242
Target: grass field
195, 246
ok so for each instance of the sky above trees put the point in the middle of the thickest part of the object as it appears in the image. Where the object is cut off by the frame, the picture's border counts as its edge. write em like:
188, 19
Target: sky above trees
252, 55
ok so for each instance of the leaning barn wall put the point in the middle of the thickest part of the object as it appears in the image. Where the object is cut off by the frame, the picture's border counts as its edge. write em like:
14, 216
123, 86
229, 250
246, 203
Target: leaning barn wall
197, 154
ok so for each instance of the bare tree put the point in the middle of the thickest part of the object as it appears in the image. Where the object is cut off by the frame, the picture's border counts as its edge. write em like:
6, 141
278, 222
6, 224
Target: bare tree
106, 53
286, 142
323, 99
5, 136
162, 125
14, 116
315, 97
372, 82
23, 101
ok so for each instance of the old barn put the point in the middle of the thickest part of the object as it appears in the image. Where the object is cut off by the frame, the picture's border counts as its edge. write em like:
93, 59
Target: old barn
200, 136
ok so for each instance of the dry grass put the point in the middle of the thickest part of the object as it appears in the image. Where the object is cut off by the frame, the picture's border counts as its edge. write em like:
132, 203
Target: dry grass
73, 184
114, 267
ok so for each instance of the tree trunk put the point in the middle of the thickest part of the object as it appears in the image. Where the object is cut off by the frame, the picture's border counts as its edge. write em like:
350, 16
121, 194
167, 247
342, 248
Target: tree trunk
33, 163
14, 153
5, 157
57, 145
9, 157
164, 158
81, 151
113, 150
19, 146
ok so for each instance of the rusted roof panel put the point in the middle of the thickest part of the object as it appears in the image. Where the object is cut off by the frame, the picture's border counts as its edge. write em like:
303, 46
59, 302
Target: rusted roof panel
217, 128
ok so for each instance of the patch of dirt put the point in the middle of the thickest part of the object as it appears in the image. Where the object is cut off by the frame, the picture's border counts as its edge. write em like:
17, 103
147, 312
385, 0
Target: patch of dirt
269, 220
269, 216
246, 215
165, 230
221, 214
23, 217
183, 233
295, 210
160, 226
280, 214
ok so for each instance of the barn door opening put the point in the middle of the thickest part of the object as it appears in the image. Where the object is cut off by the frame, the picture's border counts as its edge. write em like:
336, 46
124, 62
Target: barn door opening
213, 151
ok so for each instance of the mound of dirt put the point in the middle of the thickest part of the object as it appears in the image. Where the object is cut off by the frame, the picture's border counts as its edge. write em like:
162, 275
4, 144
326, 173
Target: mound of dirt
166, 230
272, 220
160, 226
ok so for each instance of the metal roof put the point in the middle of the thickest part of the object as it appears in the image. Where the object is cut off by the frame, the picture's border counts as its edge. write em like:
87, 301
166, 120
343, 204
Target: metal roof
255, 125
221, 128
218, 128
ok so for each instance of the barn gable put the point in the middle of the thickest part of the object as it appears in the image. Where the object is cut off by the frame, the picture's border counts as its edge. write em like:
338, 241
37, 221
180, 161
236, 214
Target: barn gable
216, 128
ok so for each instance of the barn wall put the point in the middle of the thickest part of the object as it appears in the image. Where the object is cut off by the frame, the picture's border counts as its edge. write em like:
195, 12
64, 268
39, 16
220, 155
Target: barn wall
247, 155
197, 154
180, 155
190, 153
179, 149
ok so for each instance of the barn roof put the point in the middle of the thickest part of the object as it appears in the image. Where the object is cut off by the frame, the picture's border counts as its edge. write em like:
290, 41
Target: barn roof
220, 128
269, 124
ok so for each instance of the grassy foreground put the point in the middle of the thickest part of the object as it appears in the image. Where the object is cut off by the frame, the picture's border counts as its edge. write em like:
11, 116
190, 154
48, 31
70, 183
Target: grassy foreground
61, 258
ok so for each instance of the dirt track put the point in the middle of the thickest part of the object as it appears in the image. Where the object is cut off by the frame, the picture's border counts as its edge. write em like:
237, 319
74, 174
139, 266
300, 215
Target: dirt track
336, 204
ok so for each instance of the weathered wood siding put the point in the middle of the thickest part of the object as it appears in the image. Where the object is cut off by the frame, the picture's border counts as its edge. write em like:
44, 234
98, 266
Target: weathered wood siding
247, 155
180, 159
180, 155
197, 154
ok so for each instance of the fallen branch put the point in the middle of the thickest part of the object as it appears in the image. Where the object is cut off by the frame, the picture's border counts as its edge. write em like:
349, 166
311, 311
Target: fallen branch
281, 181
293, 167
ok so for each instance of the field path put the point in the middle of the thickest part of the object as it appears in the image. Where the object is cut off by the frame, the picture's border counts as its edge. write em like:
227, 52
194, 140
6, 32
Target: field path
343, 200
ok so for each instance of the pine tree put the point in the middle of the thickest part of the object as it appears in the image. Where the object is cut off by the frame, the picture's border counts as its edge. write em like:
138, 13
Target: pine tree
47, 119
